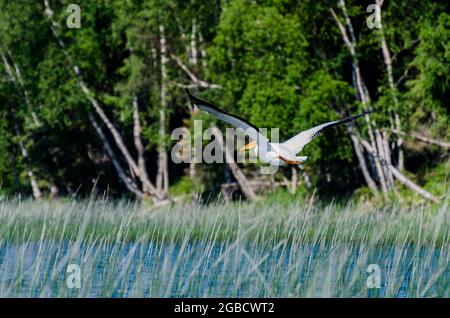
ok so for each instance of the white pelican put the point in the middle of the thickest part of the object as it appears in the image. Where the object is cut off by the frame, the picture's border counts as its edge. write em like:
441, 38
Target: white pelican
276, 154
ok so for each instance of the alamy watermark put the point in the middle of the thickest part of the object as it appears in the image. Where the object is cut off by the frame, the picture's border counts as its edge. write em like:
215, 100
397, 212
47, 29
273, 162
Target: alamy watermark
73, 21
374, 279
374, 20
73, 279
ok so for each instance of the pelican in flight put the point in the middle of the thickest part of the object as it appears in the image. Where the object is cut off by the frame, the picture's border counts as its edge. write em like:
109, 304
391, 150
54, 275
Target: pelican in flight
276, 154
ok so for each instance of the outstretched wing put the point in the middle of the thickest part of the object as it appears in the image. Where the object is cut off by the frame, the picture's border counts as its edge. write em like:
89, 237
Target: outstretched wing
296, 143
249, 129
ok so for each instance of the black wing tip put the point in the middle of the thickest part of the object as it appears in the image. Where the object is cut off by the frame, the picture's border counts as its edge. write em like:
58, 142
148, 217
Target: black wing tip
367, 112
195, 100
352, 118
370, 111
189, 93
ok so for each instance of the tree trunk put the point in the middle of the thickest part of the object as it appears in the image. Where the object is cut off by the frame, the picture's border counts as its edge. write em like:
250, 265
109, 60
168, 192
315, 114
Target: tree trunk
130, 185
307, 179
350, 42
137, 131
443, 144
162, 179
388, 63
362, 162
37, 193
197, 82
235, 170
202, 51
402, 178
401, 156
414, 187
387, 157
17, 80
382, 154
294, 179
380, 173
113, 130
193, 50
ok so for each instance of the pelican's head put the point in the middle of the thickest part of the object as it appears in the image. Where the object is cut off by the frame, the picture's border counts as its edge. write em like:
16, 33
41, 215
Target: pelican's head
248, 146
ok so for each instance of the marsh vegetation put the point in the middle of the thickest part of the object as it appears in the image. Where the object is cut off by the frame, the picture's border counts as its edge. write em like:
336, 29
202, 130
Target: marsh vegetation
261, 249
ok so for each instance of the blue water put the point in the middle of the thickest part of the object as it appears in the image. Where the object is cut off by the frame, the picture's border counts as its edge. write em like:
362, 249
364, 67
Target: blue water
221, 270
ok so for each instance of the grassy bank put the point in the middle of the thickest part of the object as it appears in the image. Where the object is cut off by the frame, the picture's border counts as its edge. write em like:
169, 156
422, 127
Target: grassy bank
296, 221
262, 249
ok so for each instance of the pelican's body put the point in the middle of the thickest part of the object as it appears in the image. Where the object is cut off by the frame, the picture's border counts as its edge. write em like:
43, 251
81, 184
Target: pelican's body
276, 154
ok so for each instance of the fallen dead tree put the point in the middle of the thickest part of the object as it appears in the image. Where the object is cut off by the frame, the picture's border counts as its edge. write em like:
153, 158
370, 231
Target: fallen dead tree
399, 176
422, 138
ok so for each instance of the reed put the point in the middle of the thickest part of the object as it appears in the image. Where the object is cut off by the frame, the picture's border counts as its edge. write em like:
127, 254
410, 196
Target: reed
271, 249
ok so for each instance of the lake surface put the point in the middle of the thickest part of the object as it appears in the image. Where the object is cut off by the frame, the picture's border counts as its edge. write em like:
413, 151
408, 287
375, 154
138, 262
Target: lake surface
220, 270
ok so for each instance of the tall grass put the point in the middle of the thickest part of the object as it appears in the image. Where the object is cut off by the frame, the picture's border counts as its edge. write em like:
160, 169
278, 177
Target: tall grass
266, 249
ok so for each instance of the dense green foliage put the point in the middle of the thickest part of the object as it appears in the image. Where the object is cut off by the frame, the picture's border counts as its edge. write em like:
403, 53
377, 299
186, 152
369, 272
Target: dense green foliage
88, 112
429, 90
279, 63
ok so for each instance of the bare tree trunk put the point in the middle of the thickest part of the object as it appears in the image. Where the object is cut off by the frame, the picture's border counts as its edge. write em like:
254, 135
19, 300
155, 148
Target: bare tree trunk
197, 82
401, 156
204, 63
380, 172
131, 186
388, 63
193, 51
402, 178
359, 81
113, 130
361, 94
307, 179
162, 179
202, 51
17, 80
37, 193
350, 42
387, 157
54, 191
235, 170
414, 187
443, 144
362, 162
192, 166
382, 154
192, 170
294, 179
137, 131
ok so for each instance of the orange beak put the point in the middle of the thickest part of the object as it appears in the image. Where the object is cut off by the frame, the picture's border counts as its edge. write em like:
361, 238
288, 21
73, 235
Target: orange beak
248, 146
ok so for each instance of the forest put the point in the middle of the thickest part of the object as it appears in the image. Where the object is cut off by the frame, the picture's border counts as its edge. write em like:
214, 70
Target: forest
90, 94
102, 193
